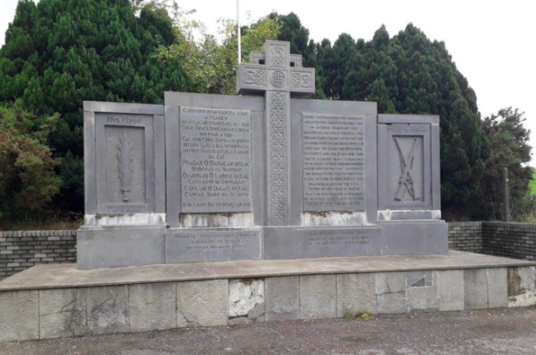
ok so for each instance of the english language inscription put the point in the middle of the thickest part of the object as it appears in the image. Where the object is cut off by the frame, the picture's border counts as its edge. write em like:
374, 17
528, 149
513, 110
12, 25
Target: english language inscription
215, 160
333, 162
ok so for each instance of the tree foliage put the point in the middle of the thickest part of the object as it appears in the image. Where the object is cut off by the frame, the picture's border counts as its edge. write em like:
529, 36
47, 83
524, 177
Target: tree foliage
509, 149
60, 52
27, 178
210, 63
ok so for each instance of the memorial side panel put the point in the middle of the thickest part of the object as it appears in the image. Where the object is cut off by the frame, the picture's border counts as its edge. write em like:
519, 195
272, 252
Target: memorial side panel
215, 160
333, 163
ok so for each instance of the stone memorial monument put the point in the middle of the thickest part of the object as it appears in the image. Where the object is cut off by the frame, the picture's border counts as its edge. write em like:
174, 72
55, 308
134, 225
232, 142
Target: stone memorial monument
268, 174
255, 180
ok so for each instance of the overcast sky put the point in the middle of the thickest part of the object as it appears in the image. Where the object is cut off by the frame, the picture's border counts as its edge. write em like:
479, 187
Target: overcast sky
492, 42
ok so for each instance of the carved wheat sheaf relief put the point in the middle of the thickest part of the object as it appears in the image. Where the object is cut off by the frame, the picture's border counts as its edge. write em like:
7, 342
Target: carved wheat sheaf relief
125, 159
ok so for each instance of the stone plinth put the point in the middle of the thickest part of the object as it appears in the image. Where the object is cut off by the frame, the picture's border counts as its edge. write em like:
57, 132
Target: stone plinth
50, 301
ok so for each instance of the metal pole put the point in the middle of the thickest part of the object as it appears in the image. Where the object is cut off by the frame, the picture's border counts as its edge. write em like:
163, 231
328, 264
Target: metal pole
238, 29
506, 195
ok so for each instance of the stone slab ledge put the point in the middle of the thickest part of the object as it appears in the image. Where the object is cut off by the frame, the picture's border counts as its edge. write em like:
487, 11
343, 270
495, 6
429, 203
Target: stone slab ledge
67, 276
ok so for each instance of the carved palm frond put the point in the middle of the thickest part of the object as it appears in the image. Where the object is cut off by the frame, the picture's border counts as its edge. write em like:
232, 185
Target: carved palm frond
125, 159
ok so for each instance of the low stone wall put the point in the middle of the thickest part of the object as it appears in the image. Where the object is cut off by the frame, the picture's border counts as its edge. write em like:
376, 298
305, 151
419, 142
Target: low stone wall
20, 250
465, 236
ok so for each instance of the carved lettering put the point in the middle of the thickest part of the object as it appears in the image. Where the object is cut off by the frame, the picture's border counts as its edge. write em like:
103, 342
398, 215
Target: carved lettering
215, 160
333, 163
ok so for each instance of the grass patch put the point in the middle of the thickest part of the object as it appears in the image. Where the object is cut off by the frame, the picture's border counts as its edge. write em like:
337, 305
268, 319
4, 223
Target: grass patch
532, 183
365, 315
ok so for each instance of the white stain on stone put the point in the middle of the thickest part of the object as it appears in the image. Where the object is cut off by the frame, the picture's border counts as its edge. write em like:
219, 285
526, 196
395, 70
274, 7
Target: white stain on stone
135, 219
244, 295
387, 215
230, 220
334, 218
525, 299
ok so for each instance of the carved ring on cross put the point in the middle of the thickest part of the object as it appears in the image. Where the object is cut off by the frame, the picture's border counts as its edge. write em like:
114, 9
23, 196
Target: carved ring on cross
278, 79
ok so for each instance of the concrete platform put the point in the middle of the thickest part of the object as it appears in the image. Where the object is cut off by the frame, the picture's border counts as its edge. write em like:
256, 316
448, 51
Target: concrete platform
56, 301
54, 276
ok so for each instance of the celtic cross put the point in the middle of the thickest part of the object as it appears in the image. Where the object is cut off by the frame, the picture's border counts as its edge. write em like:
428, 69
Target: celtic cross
278, 75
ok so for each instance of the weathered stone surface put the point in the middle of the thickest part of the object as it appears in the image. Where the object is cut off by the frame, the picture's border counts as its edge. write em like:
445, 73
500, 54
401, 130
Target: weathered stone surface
451, 290
521, 286
476, 288
19, 315
318, 296
62, 313
356, 293
422, 291
153, 307
202, 303
219, 244
497, 288
391, 292
108, 310
257, 313
282, 298
244, 295
240, 321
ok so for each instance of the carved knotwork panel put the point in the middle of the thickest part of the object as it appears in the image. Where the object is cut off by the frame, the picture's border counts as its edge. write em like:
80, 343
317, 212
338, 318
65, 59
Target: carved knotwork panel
255, 77
301, 80
278, 57
278, 150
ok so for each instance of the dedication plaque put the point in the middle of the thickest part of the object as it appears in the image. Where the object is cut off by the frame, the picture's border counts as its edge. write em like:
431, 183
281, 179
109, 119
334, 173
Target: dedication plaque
215, 160
333, 162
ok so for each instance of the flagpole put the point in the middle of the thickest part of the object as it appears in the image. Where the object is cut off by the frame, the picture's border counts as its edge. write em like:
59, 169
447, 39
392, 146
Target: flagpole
238, 29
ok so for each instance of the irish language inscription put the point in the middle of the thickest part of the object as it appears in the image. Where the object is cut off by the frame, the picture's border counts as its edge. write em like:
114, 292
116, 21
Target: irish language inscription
215, 160
333, 162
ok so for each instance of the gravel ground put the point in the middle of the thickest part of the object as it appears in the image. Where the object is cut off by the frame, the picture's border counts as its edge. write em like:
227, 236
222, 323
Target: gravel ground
502, 331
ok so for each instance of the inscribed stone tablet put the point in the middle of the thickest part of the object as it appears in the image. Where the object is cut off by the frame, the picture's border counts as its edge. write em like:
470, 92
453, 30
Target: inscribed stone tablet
215, 160
326, 242
197, 245
333, 162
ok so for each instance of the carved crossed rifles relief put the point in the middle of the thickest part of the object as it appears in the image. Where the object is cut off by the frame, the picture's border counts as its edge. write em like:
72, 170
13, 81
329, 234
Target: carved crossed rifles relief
405, 181
125, 159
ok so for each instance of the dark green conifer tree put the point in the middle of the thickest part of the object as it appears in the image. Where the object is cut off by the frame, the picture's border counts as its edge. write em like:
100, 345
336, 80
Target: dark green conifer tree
59, 53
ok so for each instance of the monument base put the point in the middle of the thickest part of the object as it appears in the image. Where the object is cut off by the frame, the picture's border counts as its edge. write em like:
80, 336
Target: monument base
106, 247
54, 301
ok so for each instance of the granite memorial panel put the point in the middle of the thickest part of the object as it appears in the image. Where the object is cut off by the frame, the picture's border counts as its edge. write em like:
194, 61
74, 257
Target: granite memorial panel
333, 162
124, 185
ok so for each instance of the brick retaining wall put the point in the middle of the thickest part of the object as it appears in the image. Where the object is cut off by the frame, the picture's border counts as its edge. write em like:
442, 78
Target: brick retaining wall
20, 250
465, 236
512, 240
